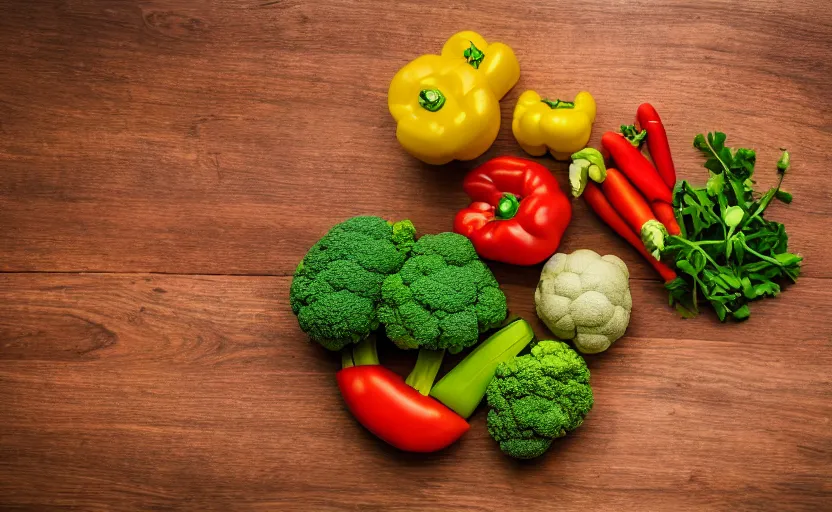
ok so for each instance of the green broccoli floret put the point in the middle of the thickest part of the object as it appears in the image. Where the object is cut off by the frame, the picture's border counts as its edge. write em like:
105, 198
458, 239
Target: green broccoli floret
537, 398
442, 298
336, 289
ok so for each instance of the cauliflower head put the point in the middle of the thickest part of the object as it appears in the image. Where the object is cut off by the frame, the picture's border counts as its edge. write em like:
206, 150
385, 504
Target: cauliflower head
585, 297
336, 288
442, 298
537, 398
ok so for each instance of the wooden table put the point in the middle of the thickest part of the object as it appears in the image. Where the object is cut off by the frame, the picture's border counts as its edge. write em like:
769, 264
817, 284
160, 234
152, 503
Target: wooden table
164, 165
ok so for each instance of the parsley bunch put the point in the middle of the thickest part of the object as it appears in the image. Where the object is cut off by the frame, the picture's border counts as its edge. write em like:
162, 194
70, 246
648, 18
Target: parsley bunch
728, 253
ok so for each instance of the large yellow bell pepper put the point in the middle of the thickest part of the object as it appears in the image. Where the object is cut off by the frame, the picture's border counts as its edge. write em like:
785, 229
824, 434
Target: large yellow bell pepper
561, 127
447, 106
496, 60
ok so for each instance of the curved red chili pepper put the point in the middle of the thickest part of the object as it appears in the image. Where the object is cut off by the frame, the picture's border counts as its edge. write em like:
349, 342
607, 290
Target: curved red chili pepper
636, 167
648, 119
397, 413
664, 212
601, 206
519, 213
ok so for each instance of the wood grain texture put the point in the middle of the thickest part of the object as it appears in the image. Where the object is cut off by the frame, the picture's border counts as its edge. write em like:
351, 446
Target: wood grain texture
187, 153
148, 392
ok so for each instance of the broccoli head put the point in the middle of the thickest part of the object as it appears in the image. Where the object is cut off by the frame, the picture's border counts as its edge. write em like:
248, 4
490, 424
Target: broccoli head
442, 298
537, 398
337, 286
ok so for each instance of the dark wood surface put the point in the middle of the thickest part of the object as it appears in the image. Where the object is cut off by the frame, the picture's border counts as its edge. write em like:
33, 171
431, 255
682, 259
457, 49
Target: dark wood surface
164, 164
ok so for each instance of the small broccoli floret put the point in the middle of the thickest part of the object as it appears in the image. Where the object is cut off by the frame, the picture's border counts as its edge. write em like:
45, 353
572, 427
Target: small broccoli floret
442, 298
336, 289
537, 398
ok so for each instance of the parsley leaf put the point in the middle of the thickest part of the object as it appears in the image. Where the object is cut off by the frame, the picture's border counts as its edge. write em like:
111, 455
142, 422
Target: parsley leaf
728, 254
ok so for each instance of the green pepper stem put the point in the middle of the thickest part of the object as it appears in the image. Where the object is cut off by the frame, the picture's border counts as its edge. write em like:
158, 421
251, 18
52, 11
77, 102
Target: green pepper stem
473, 55
431, 99
631, 134
653, 234
364, 353
424, 372
507, 206
559, 103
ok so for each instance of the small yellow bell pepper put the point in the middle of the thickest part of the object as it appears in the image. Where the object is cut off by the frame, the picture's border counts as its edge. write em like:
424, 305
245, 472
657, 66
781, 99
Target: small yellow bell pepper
561, 127
447, 106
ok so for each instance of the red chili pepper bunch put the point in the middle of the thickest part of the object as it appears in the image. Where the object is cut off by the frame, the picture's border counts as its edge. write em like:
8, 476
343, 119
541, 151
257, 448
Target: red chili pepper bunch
636, 199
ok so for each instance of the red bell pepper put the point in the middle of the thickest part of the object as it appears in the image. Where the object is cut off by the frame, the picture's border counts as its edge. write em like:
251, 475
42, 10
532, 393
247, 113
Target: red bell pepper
519, 213
397, 413
601, 206
648, 119
636, 167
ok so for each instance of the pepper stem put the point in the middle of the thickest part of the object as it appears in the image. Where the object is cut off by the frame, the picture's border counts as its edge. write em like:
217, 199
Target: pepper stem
424, 373
507, 206
473, 55
653, 234
631, 133
559, 103
364, 353
431, 99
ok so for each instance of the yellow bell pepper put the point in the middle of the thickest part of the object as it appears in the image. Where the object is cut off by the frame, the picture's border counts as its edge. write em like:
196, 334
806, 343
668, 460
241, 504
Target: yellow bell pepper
447, 106
561, 127
496, 60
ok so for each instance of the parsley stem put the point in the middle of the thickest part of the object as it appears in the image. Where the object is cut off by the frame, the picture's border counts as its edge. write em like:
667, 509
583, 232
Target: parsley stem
764, 202
715, 154
696, 246
762, 256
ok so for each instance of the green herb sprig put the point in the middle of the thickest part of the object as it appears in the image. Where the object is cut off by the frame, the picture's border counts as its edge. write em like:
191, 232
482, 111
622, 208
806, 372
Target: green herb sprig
728, 253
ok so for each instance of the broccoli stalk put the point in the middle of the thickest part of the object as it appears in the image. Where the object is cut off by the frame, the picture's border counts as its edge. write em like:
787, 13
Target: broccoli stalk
463, 387
424, 372
362, 353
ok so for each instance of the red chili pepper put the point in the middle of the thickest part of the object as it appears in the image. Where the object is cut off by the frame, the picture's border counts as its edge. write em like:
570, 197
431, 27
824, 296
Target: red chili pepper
602, 207
626, 200
397, 413
664, 212
636, 167
648, 119
634, 209
519, 213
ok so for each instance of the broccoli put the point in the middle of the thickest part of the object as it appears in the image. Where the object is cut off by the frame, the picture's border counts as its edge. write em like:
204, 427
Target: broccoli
537, 398
336, 288
441, 299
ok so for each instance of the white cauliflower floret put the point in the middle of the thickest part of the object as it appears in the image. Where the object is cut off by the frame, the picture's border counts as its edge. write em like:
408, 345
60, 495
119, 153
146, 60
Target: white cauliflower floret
585, 297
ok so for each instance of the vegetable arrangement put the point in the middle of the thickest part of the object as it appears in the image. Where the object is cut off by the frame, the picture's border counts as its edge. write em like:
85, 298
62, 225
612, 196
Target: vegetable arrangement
434, 294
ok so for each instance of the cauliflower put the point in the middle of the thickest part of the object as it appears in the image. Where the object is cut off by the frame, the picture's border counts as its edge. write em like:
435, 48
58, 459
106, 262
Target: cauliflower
585, 297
